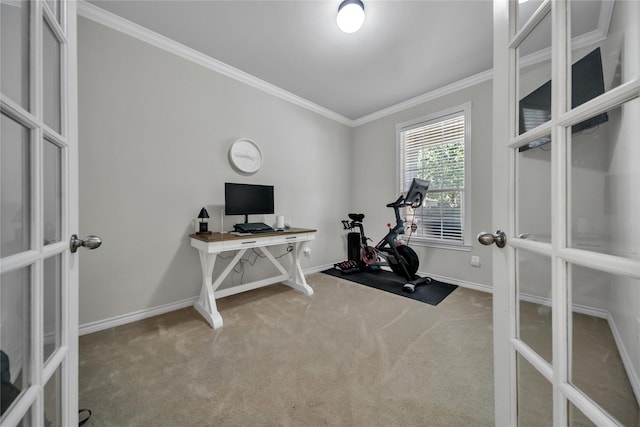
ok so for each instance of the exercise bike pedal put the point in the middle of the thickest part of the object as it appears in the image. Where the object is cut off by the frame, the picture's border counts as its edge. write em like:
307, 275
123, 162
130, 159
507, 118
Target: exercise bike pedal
409, 287
425, 280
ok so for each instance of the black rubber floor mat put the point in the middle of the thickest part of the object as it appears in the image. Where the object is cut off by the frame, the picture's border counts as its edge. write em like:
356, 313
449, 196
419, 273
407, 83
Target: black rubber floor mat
432, 293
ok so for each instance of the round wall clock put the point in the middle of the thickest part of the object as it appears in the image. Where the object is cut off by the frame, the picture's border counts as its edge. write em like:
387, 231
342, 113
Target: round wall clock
246, 156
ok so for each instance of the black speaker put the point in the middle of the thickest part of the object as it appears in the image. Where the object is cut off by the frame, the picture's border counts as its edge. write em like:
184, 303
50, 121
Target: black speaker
353, 246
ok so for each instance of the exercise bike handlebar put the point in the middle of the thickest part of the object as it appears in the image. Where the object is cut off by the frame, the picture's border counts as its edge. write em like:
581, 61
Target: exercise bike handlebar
398, 203
414, 198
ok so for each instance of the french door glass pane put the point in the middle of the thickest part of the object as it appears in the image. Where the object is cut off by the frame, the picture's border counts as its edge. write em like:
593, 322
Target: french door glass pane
534, 302
596, 366
27, 420
534, 77
535, 396
600, 66
15, 171
533, 169
53, 400
15, 330
51, 78
525, 10
52, 192
52, 293
14, 51
605, 183
577, 418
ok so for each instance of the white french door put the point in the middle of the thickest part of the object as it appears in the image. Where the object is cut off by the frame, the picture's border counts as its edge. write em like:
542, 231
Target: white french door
39, 212
566, 190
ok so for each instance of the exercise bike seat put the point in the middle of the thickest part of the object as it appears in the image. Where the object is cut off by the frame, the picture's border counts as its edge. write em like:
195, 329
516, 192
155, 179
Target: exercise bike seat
356, 217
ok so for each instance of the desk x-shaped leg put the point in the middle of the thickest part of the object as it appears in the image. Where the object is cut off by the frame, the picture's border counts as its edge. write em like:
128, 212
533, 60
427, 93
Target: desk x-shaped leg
206, 304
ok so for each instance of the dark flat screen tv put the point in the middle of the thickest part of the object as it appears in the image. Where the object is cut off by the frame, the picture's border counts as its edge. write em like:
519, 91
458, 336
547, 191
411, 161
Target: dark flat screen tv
587, 82
248, 199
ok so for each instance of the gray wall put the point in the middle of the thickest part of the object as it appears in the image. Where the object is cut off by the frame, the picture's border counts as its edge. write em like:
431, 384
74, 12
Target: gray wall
373, 176
154, 134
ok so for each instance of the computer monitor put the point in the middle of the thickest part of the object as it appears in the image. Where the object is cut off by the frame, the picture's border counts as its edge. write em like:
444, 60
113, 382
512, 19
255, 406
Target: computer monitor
248, 199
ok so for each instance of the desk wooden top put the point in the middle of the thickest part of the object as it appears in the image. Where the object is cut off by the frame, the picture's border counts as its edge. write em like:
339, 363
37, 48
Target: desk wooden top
221, 237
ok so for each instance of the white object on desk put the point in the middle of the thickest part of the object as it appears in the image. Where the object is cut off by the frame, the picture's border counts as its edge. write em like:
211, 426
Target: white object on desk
209, 246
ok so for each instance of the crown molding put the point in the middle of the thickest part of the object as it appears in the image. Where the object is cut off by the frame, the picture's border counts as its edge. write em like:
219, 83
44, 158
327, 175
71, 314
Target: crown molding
429, 96
101, 16
115, 22
590, 38
129, 28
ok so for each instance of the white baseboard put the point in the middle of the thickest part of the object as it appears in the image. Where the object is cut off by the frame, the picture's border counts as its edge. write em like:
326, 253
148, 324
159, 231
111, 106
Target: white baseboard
626, 360
634, 380
576, 308
318, 269
462, 283
100, 325
123, 319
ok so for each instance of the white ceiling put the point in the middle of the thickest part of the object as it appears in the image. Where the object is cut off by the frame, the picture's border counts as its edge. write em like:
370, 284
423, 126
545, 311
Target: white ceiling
404, 49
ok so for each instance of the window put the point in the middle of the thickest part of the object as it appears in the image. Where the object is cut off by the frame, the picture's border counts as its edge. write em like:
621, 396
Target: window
435, 148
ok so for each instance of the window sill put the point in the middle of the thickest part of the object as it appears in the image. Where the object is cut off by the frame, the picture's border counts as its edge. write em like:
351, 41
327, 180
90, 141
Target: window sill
415, 241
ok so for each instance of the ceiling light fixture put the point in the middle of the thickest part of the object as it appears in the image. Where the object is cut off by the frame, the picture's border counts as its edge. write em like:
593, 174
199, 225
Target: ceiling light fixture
350, 15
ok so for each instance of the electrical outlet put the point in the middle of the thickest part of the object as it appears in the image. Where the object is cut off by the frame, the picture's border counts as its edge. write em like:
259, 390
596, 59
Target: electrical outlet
307, 251
475, 261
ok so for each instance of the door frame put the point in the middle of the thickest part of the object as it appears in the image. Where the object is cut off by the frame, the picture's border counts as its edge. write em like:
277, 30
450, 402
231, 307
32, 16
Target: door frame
61, 17
505, 143
503, 260
70, 408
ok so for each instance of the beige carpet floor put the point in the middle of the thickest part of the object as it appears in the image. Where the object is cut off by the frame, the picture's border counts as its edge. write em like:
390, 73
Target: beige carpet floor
347, 356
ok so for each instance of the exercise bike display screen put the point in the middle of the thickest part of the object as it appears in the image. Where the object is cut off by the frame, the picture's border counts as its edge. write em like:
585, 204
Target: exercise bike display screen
417, 192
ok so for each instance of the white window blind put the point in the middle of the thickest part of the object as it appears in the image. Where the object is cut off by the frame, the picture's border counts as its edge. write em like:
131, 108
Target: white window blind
434, 150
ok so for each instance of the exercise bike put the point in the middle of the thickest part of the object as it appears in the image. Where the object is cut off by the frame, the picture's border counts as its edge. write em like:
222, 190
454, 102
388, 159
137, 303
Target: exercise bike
390, 252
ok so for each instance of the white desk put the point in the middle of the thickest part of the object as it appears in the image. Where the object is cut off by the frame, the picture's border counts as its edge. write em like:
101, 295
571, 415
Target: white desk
210, 245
